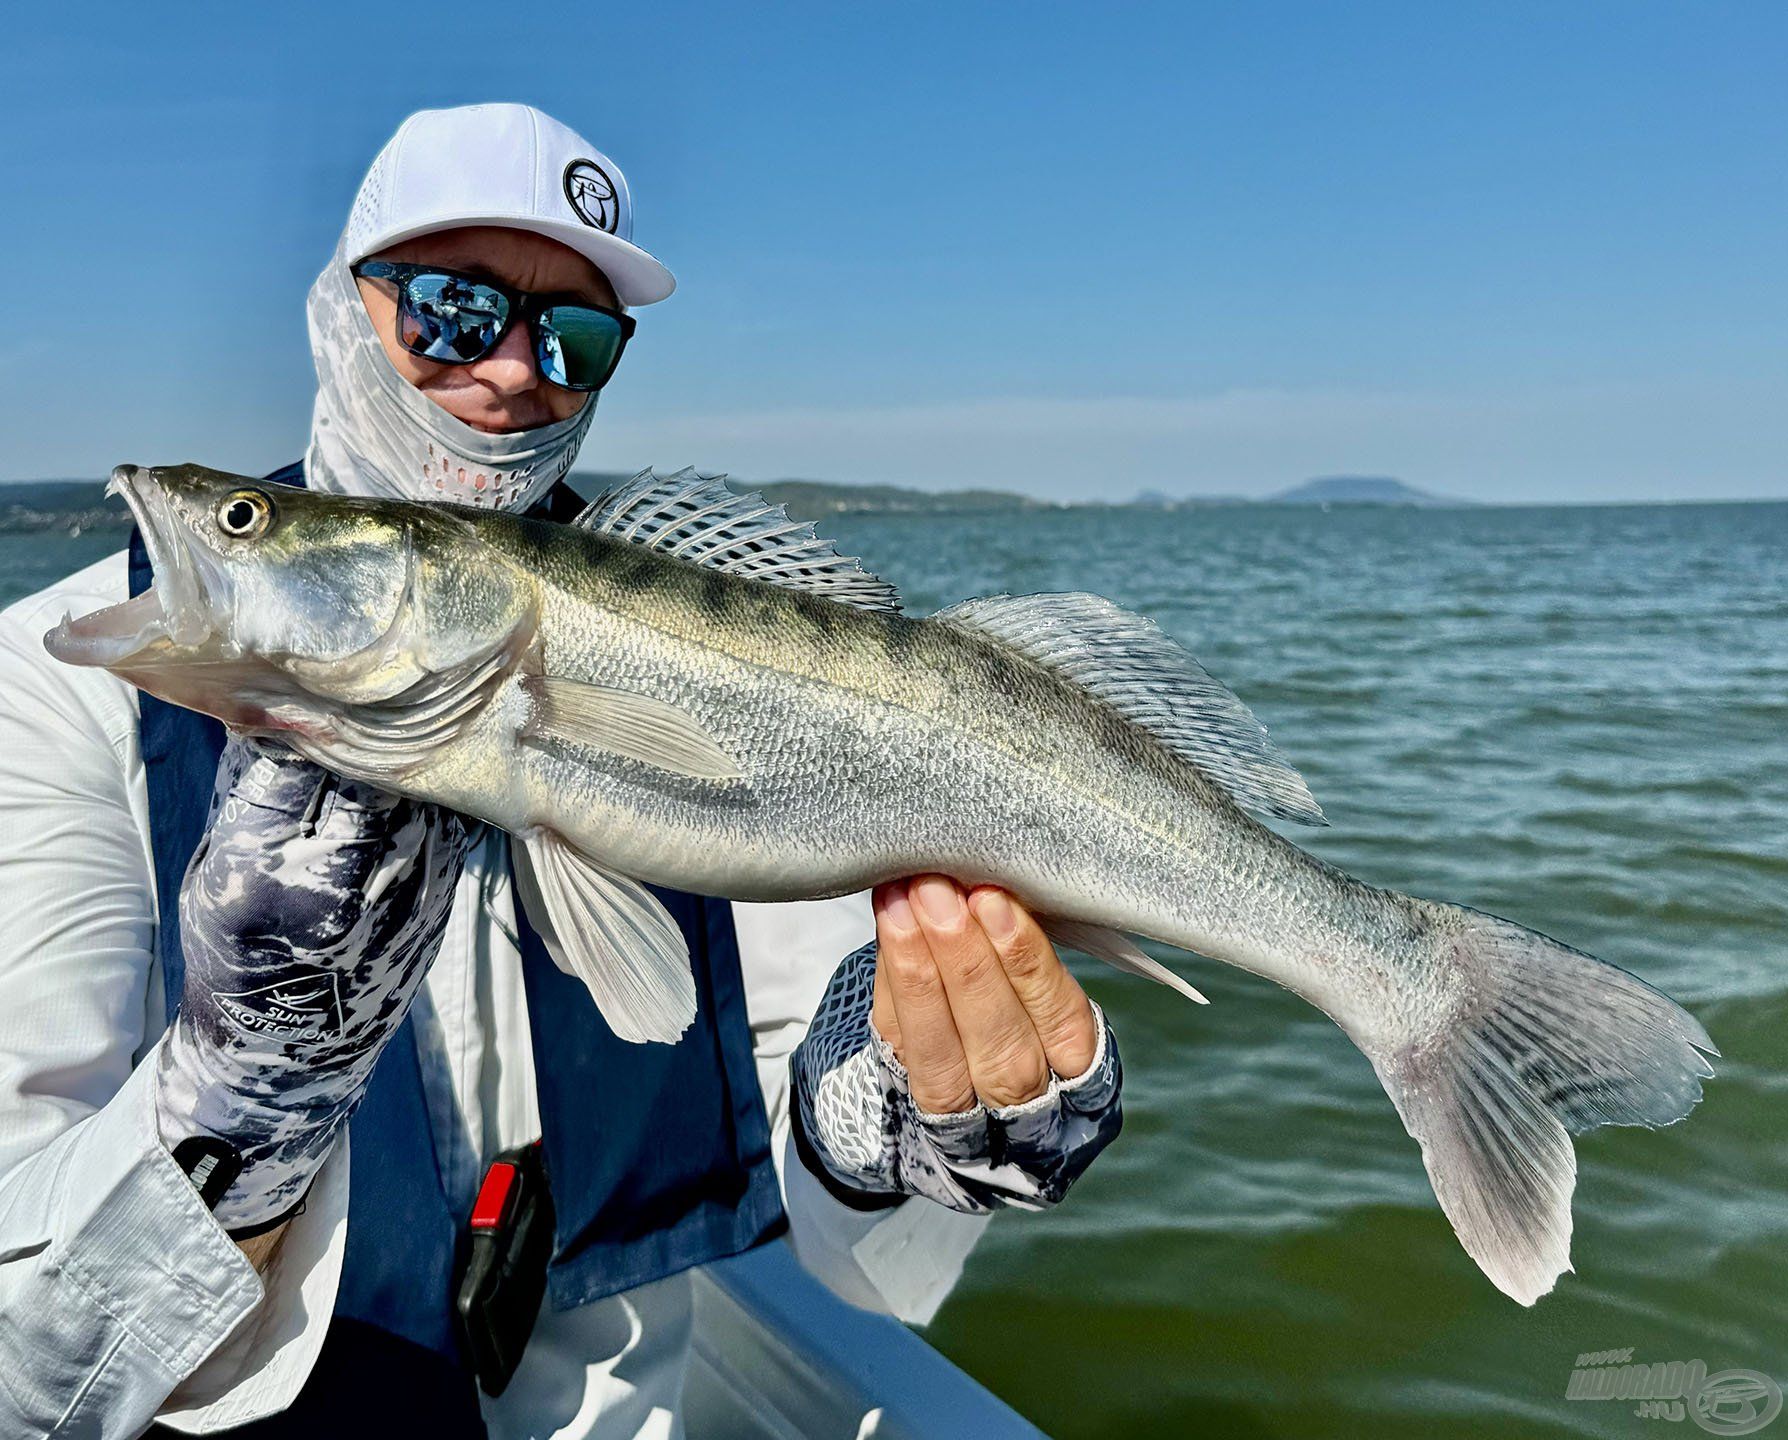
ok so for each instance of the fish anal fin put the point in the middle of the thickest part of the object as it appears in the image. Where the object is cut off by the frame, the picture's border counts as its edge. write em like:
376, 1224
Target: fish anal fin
1115, 949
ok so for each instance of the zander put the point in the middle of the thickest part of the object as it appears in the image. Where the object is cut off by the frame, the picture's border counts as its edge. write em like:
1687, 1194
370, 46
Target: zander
686, 688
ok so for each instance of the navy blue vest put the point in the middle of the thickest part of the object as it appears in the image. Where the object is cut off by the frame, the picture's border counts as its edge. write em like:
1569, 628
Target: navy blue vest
659, 1155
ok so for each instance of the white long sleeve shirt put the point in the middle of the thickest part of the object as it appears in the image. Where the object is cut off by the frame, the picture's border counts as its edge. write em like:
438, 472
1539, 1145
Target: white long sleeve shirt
121, 1299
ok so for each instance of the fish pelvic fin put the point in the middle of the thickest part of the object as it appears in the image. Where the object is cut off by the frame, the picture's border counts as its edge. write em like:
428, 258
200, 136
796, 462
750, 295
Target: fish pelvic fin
1552, 1043
613, 934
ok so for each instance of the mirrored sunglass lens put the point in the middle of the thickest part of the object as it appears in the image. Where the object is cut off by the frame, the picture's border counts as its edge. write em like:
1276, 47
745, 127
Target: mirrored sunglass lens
578, 346
445, 318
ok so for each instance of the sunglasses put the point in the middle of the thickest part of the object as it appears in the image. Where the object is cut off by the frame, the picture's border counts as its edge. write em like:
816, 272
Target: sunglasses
453, 318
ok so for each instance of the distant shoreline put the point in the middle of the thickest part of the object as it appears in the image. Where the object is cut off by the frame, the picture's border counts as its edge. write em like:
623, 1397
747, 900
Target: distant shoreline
40, 506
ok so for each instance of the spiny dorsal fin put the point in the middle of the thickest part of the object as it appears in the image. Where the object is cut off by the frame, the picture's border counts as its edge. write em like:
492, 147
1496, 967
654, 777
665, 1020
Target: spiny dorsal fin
700, 518
1127, 661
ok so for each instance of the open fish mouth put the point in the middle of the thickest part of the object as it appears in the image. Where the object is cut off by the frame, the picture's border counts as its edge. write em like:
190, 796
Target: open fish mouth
173, 615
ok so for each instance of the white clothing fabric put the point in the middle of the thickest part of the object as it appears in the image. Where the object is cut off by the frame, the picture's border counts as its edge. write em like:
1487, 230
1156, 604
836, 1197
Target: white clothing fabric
126, 1294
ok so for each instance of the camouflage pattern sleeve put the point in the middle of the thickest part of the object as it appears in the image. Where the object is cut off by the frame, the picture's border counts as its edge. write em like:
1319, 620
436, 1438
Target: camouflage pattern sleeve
309, 915
860, 1132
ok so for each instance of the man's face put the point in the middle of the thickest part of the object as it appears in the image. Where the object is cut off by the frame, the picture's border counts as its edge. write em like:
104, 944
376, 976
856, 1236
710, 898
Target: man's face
504, 390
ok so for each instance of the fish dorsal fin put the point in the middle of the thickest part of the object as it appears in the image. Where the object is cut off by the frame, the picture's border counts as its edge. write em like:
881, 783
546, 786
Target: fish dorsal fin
1126, 661
700, 518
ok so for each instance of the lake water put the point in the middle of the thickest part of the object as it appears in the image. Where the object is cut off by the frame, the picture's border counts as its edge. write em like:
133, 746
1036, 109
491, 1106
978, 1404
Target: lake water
1571, 717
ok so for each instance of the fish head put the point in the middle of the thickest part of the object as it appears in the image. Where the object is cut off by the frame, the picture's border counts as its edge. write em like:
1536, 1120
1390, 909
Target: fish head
278, 609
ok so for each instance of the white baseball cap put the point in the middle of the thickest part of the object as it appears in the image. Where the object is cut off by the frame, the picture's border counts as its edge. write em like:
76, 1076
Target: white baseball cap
507, 165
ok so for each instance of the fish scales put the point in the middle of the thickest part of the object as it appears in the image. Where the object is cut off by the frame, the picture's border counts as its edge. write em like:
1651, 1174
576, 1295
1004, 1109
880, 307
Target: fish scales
862, 724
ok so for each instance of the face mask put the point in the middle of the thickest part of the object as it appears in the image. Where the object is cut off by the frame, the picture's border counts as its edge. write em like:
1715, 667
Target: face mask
374, 433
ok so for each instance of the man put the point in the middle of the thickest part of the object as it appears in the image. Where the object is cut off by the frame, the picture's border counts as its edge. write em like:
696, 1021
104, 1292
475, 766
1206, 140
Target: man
216, 954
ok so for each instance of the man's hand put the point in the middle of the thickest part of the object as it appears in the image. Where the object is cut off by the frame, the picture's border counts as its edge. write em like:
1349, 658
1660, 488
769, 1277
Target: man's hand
973, 998
954, 1057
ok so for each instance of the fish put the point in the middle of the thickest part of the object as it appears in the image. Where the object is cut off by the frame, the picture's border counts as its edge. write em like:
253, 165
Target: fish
684, 687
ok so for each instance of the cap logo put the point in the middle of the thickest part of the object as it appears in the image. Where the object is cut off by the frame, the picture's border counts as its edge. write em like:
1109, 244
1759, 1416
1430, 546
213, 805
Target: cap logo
592, 195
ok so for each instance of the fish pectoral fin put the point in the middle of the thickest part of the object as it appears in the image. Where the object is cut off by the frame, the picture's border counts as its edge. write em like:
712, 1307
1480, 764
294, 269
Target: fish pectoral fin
1116, 949
1127, 662
620, 721
611, 933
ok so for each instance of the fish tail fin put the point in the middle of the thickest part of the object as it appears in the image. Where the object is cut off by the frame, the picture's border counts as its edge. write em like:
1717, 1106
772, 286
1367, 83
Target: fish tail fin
1552, 1042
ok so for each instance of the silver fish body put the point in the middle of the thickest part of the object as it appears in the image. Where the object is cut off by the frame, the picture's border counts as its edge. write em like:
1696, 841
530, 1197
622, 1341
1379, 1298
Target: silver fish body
877, 746
633, 715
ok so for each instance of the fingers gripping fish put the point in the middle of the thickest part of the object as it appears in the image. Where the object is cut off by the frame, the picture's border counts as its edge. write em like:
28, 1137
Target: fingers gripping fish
686, 688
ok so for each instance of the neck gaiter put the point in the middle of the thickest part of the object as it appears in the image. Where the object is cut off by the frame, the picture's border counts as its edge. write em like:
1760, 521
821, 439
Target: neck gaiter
374, 433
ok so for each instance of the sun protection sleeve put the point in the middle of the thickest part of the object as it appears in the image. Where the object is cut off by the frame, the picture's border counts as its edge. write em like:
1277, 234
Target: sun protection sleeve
117, 1286
858, 1127
309, 915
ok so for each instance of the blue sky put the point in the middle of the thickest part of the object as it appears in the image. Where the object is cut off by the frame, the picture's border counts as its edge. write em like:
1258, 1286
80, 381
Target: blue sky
1513, 251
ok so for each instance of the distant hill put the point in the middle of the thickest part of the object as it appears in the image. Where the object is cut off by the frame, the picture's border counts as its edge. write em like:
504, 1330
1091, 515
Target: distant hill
33, 505
1361, 490
39, 505
807, 499
822, 497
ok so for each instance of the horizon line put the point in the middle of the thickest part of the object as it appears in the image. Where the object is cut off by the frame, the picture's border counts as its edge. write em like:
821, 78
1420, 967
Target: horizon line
1214, 498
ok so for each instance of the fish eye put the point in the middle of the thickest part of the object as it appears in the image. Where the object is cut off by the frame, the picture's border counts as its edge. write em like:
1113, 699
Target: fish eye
245, 514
